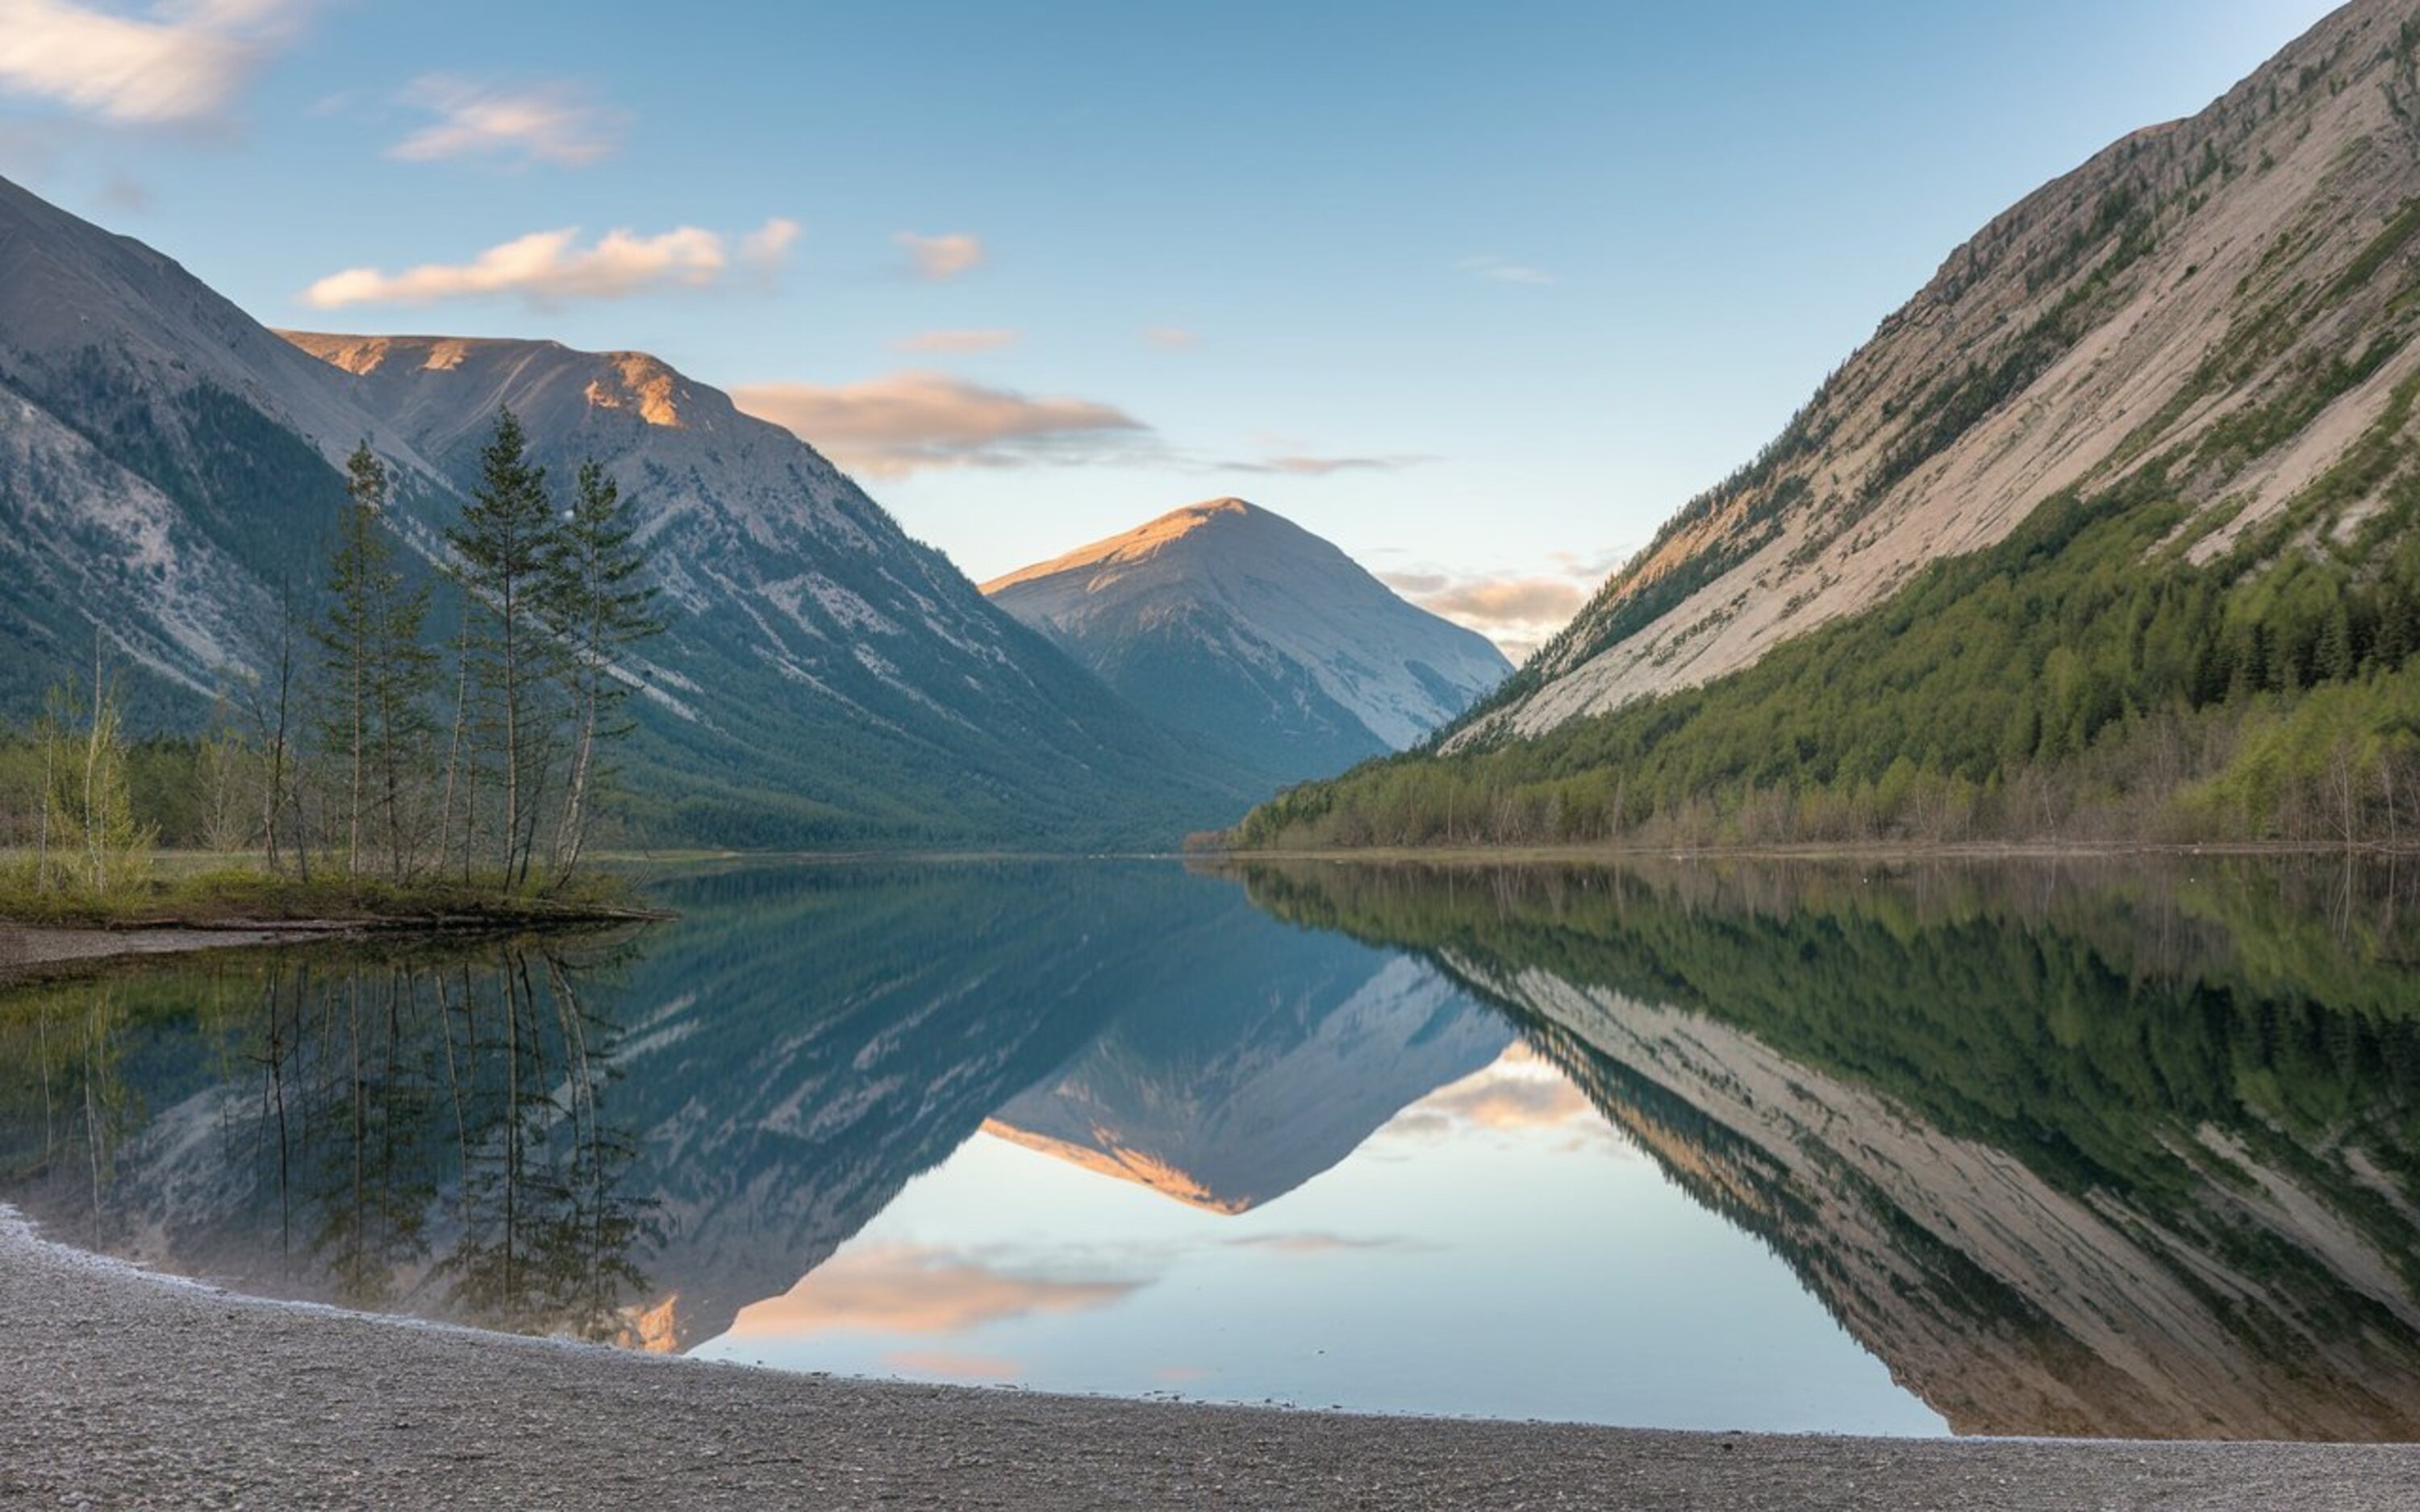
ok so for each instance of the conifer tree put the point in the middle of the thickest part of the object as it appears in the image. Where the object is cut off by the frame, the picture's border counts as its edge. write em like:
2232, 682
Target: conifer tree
598, 609
378, 671
503, 547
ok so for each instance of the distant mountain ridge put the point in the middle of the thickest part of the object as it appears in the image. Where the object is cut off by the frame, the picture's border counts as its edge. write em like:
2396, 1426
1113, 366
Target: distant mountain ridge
1245, 632
168, 476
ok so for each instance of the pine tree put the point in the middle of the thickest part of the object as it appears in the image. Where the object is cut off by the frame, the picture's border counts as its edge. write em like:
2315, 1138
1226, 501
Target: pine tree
378, 671
599, 608
501, 548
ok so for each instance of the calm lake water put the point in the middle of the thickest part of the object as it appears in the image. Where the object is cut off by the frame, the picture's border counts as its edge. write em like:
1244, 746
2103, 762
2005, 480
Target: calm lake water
2020, 1149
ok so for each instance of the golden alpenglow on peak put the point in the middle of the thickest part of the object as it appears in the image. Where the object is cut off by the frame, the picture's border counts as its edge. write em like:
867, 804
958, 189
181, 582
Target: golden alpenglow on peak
1140, 544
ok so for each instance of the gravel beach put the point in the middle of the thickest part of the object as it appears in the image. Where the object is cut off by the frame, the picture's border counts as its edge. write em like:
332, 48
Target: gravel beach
26, 951
120, 1389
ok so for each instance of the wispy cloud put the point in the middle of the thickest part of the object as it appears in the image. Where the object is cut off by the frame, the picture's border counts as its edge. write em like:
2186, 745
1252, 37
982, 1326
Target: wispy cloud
532, 123
913, 1290
941, 259
953, 1365
1314, 1242
958, 341
768, 246
177, 61
549, 267
125, 196
1518, 610
1505, 270
905, 421
1320, 467
1171, 338
1519, 1092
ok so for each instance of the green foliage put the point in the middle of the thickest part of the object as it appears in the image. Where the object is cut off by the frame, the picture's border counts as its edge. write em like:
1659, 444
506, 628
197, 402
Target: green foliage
598, 607
504, 548
89, 843
377, 679
2083, 677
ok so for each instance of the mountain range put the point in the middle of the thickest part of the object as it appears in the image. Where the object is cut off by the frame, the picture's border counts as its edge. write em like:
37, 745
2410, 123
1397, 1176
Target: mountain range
1255, 639
168, 484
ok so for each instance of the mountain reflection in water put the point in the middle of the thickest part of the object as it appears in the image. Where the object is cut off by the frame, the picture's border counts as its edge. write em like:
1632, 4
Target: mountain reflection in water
2069, 1149
2091, 1150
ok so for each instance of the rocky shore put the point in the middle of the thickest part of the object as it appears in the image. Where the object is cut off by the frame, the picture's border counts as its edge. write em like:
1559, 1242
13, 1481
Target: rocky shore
121, 1389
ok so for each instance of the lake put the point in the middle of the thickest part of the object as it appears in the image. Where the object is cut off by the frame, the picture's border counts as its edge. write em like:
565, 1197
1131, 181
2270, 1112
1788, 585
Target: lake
2026, 1147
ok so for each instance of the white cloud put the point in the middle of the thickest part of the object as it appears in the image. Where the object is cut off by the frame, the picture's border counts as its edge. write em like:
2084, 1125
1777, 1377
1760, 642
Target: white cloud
545, 122
546, 267
1505, 270
958, 341
1319, 467
904, 421
1171, 338
943, 257
180, 60
769, 244
1519, 610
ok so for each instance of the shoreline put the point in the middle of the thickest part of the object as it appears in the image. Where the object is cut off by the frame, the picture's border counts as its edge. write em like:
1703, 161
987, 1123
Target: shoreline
30, 952
131, 1389
1889, 852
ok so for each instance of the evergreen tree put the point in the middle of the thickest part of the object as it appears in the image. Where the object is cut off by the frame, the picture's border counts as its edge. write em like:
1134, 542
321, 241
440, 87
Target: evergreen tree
503, 549
598, 607
377, 670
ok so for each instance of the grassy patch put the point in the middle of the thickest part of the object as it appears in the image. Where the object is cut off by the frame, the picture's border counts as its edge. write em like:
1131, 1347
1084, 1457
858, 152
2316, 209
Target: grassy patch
206, 891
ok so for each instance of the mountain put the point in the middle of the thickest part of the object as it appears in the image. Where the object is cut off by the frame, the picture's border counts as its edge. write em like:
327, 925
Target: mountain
1254, 638
2121, 510
853, 668
2224, 293
157, 475
168, 475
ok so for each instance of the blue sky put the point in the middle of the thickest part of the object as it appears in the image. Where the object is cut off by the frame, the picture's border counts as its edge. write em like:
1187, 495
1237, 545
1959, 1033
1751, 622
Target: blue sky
1482, 293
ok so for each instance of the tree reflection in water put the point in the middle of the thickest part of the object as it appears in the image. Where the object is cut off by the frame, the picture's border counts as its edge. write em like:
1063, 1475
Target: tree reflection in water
413, 1129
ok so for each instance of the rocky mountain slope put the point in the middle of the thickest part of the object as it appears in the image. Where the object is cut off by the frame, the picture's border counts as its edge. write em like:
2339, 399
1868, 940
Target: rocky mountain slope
1254, 638
167, 477
813, 641
2219, 307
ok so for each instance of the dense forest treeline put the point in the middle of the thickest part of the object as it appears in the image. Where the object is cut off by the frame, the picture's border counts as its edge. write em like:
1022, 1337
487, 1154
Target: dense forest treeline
376, 745
2093, 676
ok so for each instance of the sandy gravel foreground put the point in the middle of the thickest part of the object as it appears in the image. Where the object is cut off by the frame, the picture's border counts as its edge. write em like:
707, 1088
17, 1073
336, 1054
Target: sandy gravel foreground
119, 1389
30, 951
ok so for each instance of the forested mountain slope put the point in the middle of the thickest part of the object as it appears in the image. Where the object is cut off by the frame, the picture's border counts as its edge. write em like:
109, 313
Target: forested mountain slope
2111, 529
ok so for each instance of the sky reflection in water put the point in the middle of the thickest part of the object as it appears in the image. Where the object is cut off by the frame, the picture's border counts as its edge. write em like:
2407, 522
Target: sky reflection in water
1497, 1242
